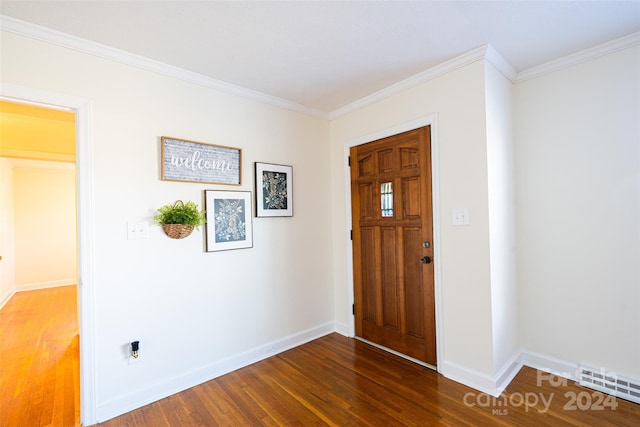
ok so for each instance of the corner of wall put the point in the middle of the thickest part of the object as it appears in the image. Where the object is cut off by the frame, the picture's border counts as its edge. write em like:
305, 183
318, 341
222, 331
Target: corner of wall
491, 385
4, 299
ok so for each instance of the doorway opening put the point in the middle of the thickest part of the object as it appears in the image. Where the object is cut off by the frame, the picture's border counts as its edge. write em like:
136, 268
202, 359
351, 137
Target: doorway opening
39, 271
85, 225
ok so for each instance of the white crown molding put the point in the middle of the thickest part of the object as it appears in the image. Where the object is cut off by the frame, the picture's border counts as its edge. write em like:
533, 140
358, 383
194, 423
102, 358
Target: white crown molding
498, 61
58, 38
579, 57
486, 52
430, 74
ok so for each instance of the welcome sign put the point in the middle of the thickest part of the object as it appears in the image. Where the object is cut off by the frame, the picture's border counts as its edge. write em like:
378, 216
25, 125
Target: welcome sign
192, 161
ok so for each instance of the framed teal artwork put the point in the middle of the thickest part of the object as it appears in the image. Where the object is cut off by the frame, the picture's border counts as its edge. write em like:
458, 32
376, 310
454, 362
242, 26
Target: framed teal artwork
228, 223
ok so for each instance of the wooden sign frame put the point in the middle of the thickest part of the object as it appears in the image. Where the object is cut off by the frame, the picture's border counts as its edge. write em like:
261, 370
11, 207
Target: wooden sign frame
191, 161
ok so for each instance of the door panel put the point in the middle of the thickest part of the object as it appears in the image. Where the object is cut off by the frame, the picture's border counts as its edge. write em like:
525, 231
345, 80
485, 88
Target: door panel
369, 297
389, 282
411, 198
392, 218
413, 278
366, 207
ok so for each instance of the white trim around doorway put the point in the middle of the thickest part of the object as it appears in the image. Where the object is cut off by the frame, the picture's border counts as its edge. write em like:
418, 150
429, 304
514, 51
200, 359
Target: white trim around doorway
430, 120
84, 183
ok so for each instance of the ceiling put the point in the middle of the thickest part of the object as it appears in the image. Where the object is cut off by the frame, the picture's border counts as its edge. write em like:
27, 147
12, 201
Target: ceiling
32, 132
325, 55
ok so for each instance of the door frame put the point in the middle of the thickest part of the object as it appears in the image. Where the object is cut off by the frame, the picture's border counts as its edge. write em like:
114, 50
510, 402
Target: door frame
430, 120
85, 233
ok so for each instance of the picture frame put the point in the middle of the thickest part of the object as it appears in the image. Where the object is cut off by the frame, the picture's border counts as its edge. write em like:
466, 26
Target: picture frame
191, 161
274, 190
229, 222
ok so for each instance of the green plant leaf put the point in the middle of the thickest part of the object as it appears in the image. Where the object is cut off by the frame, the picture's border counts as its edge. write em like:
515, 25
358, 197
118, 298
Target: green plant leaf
180, 213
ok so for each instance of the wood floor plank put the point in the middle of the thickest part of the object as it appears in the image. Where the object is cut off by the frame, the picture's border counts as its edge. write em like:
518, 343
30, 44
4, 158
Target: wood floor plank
337, 381
273, 399
224, 409
331, 381
39, 380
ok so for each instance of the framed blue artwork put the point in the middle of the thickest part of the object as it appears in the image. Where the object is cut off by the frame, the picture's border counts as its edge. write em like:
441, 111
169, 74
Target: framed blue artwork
228, 223
274, 190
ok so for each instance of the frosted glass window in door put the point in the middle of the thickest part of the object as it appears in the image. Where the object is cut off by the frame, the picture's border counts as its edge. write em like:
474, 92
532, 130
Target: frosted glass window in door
386, 199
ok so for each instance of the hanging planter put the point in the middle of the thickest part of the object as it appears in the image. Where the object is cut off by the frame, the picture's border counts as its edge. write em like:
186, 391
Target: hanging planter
179, 220
177, 231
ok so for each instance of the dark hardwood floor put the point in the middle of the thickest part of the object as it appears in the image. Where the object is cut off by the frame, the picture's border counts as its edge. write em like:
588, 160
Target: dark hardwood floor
338, 381
332, 381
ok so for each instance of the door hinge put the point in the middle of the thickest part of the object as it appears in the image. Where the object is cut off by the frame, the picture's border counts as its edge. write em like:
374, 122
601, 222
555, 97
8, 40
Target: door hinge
351, 233
349, 161
353, 309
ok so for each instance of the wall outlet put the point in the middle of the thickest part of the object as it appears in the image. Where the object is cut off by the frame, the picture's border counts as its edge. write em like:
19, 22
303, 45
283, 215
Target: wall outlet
137, 230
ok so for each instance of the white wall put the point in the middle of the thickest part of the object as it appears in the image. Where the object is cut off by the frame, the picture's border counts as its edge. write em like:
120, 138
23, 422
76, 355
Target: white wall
578, 216
192, 311
502, 239
7, 234
458, 99
45, 224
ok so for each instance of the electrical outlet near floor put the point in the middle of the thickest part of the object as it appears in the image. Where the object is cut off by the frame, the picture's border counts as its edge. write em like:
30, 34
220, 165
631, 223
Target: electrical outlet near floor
134, 348
135, 360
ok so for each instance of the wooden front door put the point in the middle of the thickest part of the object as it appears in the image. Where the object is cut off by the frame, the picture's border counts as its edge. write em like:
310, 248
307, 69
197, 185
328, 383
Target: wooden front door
392, 243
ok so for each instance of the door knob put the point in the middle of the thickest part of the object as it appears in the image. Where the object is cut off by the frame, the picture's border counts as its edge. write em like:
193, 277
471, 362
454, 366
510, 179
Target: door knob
425, 260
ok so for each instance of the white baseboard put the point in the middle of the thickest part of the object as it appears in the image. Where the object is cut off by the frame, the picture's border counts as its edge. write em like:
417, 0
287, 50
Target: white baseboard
45, 285
474, 379
5, 299
342, 329
492, 385
497, 384
508, 373
130, 401
550, 364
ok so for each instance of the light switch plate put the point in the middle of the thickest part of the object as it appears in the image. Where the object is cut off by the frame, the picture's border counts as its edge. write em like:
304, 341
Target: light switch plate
460, 216
137, 230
